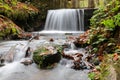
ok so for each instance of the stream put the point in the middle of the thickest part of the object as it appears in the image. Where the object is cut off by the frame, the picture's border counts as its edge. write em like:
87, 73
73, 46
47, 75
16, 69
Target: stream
17, 71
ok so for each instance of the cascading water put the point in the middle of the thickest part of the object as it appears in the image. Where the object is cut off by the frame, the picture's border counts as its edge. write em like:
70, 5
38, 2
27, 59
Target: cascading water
14, 70
57, 20
65, 20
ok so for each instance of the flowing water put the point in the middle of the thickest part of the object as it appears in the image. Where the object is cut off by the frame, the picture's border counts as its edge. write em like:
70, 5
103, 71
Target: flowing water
65, 20
17, 71
61, 24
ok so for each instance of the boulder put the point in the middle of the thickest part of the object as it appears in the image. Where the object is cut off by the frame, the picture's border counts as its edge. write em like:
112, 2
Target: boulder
27, 61
46, 59
1, 62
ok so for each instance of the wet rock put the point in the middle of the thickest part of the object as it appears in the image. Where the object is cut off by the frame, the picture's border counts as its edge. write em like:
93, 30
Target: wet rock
81, 41
71, 38
66, 45
28, 52
79, 54
36, 37
46, 59
23, 36
68, 56
80, 44
78, 64
51, 40
2, 65
73, 56
27, 61
96, 61
1, 61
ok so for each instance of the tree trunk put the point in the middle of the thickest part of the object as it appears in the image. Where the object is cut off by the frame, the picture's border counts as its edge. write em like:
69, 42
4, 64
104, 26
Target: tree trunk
65, 3
61, 3
107, 1
98, 2
91, 4
77, 3
73, 3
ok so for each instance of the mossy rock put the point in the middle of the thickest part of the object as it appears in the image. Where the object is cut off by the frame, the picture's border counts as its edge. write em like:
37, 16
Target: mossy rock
46, 60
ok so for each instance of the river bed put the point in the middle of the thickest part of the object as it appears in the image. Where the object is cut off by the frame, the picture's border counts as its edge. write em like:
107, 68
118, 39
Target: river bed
17, 71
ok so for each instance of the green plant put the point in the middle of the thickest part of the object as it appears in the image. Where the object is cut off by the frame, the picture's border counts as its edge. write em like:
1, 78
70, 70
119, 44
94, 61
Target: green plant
91, 76
17, 10
109, 23
104, 23
117, 19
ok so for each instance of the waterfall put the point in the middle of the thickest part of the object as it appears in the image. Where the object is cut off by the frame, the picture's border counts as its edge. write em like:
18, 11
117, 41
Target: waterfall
65, 20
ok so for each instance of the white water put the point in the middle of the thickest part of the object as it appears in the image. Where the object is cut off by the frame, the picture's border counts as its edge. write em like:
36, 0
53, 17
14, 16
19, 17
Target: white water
18, 71
58, 24
65, 20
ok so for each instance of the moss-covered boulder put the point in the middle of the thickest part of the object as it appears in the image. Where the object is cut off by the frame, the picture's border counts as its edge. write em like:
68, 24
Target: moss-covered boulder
8, 29
46, 57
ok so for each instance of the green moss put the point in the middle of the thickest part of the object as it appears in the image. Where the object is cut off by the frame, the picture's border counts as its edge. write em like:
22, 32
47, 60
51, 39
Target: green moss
46, 60
17, 10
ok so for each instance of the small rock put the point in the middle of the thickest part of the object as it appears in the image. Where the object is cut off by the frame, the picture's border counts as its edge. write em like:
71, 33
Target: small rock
51, 40
27, 61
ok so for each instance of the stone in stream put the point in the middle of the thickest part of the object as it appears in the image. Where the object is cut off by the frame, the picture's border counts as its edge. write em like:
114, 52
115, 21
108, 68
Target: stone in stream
28, 52
77, 60
1, 61
75, 57
36, 37
81, 41
46, 58
23, 35
51, 40
26, 61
